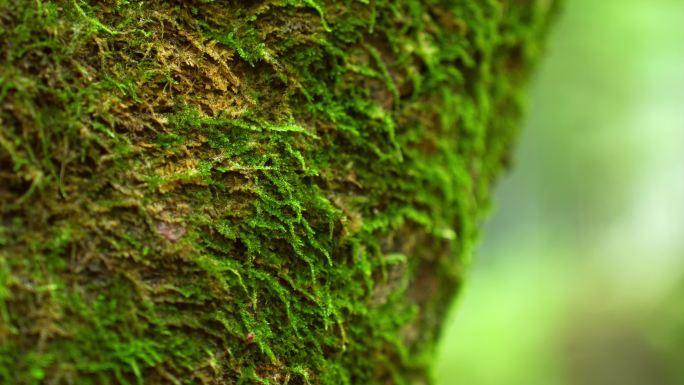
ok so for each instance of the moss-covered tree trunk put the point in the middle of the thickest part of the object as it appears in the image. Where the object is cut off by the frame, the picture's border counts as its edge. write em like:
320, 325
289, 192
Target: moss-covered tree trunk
250, 192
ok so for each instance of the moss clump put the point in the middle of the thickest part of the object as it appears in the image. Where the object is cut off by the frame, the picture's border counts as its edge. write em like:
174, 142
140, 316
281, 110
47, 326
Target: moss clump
249, 192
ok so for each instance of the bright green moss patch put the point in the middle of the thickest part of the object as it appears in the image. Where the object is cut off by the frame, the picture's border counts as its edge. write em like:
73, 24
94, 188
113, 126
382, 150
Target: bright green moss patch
262, 192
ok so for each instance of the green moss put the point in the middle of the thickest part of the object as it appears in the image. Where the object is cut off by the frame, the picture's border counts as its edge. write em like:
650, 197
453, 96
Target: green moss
266, 192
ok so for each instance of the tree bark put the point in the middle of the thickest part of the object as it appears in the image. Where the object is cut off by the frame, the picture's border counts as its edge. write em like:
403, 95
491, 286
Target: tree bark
246, 192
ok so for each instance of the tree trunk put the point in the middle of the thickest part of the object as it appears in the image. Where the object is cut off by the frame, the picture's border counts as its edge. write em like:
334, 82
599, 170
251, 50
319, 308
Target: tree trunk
250, 192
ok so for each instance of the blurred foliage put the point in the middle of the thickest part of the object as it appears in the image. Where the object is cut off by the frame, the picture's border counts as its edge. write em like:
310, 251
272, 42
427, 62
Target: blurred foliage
580, 275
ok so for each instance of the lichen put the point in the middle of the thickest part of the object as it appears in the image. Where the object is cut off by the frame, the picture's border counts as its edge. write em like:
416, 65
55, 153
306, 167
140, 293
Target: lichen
249, 192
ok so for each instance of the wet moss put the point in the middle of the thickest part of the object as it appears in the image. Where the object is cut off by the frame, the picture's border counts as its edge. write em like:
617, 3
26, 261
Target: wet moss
250, 192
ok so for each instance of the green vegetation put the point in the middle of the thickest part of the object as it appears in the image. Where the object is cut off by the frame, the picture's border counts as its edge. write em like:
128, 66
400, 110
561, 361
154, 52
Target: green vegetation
580, 277
250, 192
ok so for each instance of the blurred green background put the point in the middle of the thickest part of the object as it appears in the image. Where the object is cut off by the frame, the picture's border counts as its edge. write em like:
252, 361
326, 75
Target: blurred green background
580, 275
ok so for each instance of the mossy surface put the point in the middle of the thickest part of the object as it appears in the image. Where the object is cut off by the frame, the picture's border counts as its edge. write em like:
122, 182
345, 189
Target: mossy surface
246, 192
